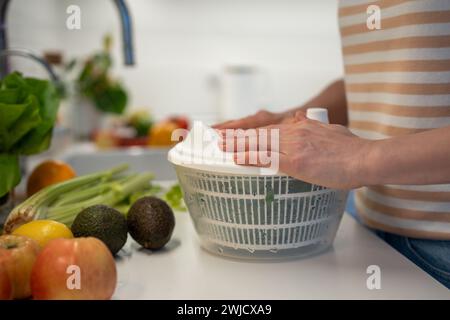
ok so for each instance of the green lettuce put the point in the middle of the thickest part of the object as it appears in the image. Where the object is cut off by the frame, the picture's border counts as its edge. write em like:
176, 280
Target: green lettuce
28, 110
9, 173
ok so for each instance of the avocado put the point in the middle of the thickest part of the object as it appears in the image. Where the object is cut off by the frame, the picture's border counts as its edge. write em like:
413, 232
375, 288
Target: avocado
151, 222
104, 223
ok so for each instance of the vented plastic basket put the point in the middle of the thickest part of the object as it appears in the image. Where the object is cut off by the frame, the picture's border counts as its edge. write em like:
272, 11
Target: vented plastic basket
260, 217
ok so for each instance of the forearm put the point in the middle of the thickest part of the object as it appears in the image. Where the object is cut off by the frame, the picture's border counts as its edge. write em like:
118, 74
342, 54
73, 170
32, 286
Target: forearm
422, 158
333, 98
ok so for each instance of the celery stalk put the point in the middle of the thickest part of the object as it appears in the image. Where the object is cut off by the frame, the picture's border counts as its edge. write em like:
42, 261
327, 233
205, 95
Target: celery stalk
36, 205
118, 191
77, 196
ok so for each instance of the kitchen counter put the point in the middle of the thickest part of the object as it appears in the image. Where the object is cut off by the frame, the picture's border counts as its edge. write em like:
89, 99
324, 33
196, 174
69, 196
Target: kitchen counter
182, 270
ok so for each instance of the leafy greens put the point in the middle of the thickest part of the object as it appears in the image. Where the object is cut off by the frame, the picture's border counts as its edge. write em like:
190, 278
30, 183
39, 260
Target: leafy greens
28, 110
96, 84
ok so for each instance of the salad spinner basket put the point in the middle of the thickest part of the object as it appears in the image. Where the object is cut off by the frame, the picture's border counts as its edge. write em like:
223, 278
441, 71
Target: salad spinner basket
261, 217
244, 212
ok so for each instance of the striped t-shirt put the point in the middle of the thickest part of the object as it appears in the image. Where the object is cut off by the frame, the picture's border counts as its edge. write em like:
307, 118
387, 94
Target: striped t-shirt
397, 83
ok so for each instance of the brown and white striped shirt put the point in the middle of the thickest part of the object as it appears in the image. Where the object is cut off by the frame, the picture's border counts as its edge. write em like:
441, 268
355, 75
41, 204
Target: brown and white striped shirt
398, 82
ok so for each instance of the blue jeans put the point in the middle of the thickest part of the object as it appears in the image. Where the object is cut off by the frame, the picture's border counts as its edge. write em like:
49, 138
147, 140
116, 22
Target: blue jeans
432, 256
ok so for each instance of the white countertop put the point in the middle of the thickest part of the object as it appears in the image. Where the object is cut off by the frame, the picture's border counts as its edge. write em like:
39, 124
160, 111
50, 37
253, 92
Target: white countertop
182, 270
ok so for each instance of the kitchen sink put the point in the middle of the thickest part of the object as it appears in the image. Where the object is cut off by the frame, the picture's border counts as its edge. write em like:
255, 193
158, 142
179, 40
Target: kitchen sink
85, 159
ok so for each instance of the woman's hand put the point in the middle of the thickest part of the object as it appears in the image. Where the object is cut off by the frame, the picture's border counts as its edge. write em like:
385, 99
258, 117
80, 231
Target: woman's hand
327, 155
260, 119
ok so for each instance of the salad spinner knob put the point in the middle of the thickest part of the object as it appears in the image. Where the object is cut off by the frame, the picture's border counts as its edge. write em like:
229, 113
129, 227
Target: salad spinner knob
319, 114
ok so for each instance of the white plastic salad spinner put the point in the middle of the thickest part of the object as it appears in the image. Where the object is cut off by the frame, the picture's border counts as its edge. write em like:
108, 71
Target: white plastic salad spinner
245, 213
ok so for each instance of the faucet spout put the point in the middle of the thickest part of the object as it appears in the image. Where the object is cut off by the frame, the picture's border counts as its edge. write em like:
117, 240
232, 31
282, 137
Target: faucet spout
32, 56
3, 36
127, 32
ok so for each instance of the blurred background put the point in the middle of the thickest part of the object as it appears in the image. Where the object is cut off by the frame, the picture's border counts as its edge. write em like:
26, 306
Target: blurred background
207, 60
195, 57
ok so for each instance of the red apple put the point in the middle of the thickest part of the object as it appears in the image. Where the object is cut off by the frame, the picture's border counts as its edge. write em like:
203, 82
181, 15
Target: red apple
18, 254
5, 283
80, 268
180, 121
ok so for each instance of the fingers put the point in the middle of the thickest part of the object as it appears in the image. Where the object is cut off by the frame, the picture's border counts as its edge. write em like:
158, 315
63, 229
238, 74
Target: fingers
300, 115
226, 125
294, 117
256, 158
244, 123
270, 160
261, 118
262, 139
276, 138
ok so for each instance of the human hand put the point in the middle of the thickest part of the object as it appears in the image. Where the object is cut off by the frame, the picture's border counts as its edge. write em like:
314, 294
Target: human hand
260, 119
323, 154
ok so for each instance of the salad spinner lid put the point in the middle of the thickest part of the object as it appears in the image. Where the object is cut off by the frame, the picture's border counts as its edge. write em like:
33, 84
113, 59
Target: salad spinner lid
200, 150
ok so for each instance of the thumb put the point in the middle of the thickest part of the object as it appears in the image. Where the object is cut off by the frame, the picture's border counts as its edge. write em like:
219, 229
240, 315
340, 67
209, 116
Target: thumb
300, 115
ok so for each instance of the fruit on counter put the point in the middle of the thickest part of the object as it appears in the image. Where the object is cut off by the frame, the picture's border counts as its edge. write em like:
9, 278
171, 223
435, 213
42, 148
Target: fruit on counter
42, 231
6, 292
180, 121
139, 129
154, 190
18, 255
131, 142
80, 268
63, 201
141, 121
104, 223
125, 131
104, 139
160, 134
151, 222
48, 173
107, 139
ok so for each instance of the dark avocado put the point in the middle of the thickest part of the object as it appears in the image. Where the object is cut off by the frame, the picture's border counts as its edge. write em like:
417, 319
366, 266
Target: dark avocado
104, 223
151, 222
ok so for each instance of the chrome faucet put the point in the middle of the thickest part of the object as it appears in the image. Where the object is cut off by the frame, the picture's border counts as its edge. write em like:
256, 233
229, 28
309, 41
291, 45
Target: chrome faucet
127, 33
32, 56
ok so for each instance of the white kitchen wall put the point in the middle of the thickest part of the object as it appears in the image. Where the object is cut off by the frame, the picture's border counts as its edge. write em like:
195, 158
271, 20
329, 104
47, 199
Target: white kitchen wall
182, 46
